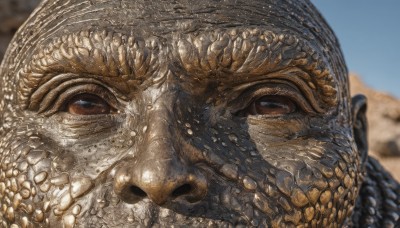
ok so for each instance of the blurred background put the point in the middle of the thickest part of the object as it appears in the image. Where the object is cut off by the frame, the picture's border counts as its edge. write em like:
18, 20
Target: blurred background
369, 33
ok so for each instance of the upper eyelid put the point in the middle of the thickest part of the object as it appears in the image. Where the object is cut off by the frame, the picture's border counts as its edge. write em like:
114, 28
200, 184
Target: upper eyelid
256, 93
47, 92
293, 77
293, 96
50, 108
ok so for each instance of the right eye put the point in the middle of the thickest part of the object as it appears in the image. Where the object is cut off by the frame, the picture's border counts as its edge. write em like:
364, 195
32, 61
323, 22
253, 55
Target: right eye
272, 105
88, 104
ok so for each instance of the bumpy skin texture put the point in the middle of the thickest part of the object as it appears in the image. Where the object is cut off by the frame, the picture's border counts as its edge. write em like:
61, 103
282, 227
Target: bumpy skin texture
153, 113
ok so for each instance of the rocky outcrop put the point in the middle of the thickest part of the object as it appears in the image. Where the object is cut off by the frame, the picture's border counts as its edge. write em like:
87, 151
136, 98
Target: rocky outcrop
384, 125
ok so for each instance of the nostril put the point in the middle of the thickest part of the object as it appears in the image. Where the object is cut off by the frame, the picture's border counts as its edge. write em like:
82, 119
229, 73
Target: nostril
137, 191
182, 190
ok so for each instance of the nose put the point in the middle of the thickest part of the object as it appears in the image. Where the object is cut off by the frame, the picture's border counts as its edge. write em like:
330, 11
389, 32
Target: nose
159, 171
160, 181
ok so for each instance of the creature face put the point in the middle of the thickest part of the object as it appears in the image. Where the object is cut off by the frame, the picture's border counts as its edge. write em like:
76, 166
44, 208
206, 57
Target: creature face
121, 113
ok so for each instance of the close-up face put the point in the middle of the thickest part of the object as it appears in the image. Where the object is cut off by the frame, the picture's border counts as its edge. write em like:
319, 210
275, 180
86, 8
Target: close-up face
212, 113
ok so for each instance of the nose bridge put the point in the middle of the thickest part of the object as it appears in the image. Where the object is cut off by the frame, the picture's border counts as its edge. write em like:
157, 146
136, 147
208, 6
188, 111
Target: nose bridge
158, 161
158, 141
159, 170
159, 158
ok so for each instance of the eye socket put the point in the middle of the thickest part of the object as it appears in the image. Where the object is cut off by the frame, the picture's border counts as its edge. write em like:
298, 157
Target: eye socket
88, 104
272, 105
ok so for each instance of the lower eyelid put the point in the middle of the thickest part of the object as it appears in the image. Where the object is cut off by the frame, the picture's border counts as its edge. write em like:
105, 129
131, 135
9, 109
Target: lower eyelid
78, 127
74, 123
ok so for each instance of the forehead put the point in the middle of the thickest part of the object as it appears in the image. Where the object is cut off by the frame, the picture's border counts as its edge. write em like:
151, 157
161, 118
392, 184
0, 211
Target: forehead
183, 16
163, 18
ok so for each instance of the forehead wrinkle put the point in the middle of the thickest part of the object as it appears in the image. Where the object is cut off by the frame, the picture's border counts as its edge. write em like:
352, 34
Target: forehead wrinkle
100, 53
166, 17
250, 53
48, 27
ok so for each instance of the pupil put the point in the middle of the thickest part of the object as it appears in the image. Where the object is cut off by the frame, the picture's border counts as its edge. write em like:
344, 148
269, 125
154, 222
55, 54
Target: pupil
86, 104
271, 105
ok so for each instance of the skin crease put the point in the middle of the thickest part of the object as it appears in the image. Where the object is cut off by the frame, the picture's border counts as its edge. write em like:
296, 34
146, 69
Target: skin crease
211, 113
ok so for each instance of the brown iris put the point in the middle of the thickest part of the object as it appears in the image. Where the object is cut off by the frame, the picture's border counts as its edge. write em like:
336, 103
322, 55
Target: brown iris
88, 104
271, 105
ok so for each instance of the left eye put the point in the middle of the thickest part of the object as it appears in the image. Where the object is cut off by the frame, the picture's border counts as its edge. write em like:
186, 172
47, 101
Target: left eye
271, 105
88, 104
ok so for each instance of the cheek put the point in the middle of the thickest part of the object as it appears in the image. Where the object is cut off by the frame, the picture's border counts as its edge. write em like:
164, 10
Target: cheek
318, 178
271, 130
81, 150
25, 177
41, 180
93, 159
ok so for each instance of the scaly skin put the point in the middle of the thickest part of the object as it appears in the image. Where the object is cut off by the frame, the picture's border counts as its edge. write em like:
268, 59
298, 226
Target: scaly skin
186, 113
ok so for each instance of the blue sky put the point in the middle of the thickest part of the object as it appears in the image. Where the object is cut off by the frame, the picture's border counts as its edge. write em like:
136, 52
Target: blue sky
369, 33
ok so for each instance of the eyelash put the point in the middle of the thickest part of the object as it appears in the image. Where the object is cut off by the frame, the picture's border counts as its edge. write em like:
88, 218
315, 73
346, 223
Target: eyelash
251, 95
56, 103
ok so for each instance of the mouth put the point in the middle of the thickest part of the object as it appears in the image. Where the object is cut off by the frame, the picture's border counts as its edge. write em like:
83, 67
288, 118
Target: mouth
102, 207
159, 217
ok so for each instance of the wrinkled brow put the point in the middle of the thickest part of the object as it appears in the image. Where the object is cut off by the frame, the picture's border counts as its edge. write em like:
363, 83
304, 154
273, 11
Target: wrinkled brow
256, 52
101, 53
110, 54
